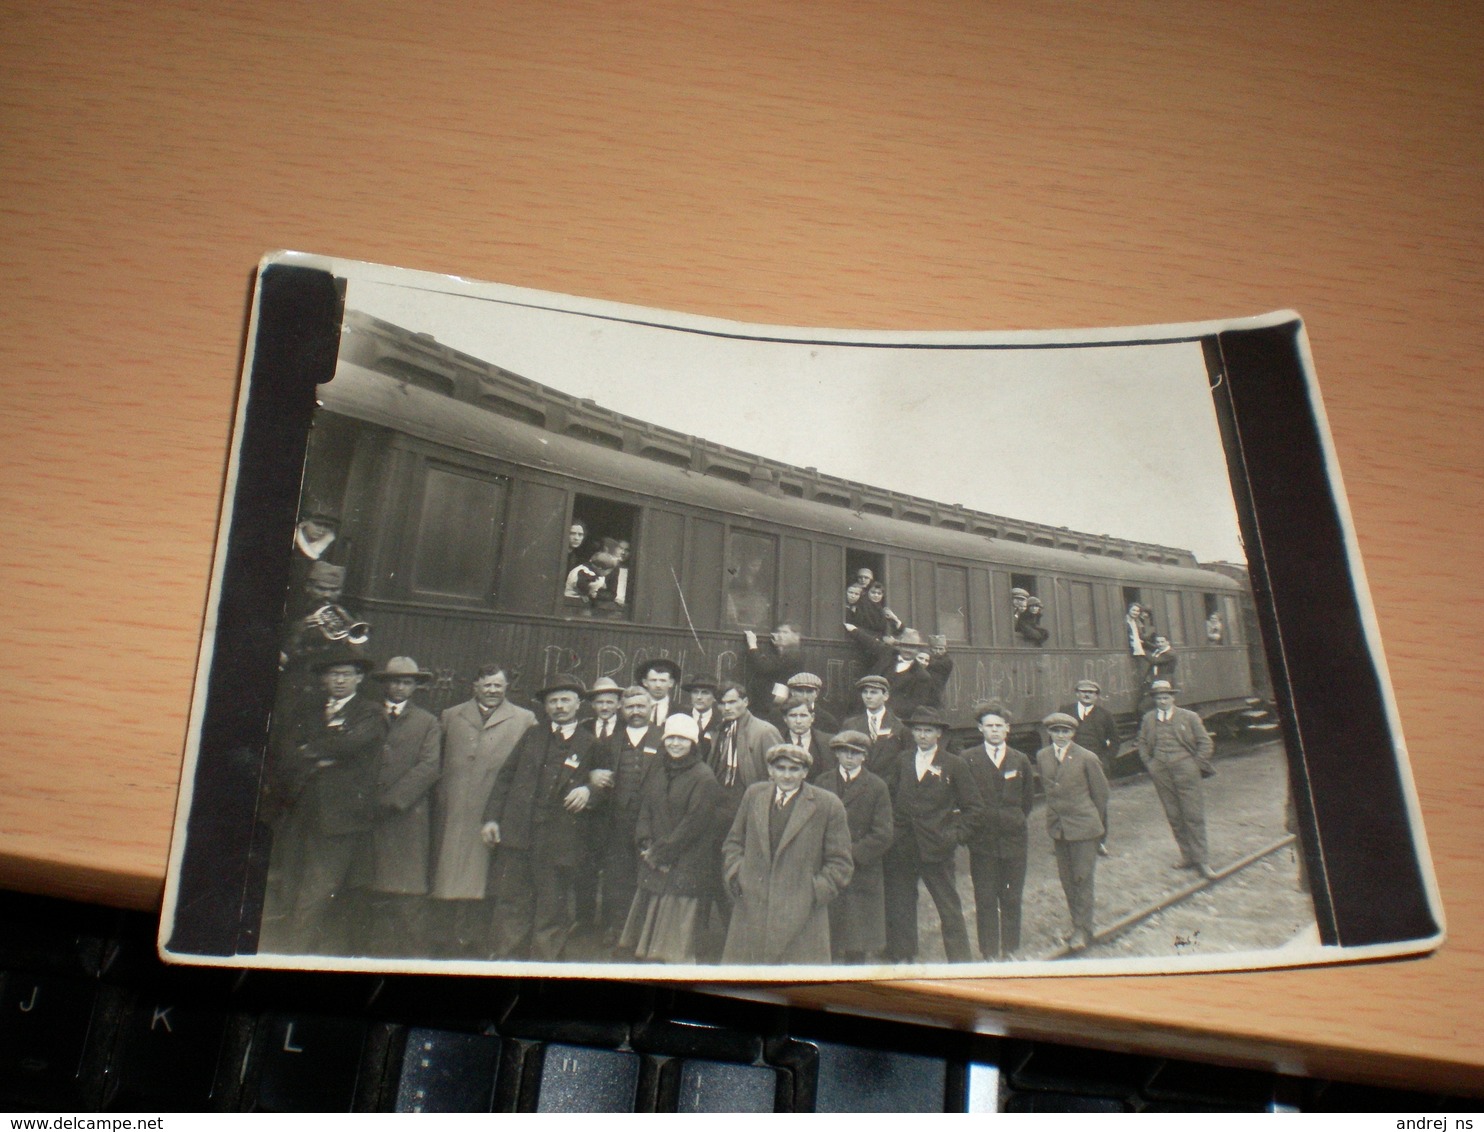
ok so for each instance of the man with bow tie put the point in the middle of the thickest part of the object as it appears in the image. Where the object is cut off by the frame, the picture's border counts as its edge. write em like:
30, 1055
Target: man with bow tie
324, 777
1076, 817
535, 815
1175, 749
409, 764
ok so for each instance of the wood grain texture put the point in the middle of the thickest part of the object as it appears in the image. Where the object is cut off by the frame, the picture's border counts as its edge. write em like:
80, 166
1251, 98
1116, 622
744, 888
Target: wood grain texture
932, 164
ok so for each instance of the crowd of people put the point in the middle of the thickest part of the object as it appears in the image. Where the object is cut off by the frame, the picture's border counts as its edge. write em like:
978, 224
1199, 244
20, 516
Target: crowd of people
683, 820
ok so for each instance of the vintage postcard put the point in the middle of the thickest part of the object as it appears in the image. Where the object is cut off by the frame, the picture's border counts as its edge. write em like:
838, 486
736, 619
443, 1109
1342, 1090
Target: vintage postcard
558, 636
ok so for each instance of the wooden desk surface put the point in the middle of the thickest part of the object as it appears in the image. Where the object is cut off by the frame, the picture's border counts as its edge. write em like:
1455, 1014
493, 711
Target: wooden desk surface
915, 165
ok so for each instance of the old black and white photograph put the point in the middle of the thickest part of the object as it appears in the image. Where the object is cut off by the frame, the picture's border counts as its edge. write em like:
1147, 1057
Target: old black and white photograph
620, 641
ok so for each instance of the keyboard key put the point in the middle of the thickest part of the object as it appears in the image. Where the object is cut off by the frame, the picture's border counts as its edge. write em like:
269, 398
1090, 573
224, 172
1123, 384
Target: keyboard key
43, 1030
579, 1012
855, 1079
309, 1063
984, 1087
167, 1056
448, 1072
1197, 1083
716, 1086
1063, 1102
53, 937
1093, 1072
583, 1079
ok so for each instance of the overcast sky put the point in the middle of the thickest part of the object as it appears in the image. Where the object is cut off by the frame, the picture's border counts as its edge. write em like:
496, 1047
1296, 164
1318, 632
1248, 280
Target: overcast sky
1118, 440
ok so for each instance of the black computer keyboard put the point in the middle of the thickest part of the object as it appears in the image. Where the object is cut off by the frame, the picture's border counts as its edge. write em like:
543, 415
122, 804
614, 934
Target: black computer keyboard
90, 1020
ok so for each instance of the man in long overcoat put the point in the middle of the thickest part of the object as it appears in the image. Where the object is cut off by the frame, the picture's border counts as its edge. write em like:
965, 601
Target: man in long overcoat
858, 917
478, 736
535, 815
1076, 816
786, 858
997, 850
400, 838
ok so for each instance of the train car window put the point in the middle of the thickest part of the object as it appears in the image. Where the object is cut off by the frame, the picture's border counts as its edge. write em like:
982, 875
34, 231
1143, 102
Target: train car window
702, 569
459, 517
1132, 595
1175, 618
859, 560
612, 528
795, 596
1216, 631
1084, 624
953, 602
751, 581
1236, 623
1029, 611
1026, 582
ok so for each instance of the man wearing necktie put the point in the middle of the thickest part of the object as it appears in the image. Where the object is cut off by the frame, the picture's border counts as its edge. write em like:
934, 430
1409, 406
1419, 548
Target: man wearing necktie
603, 698
535, 816
786, 857
1097, 731
409, 764
1076, 815
702, 693
660, 677
1175, 749
325, 776
623, 766
997, 851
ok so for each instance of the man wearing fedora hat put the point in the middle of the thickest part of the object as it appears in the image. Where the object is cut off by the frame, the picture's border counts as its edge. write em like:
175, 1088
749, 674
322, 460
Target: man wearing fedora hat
936, 807
701, 691
535, 816
918, 671
1175, 749
1076, 794
323, 778
410, 761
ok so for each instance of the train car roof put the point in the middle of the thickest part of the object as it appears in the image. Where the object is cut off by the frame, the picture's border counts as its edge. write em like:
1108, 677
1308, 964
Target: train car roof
403, 406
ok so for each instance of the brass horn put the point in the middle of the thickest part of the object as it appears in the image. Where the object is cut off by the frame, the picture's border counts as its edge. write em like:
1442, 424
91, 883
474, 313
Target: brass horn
335, 624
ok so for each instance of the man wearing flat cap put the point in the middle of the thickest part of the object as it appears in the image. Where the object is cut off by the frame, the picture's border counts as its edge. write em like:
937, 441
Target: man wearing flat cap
1097, 731
785, 859
1175, 749
660, 677
888, 734
936, 808
323, 783
998, 849
858, 916
411, 758
535, 816
807, 686
1076, 794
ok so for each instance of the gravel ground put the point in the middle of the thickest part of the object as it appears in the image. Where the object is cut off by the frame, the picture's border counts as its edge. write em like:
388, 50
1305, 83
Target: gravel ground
1259, 907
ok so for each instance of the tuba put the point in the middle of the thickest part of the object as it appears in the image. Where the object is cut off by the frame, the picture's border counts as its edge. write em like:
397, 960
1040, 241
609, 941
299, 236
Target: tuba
334, 624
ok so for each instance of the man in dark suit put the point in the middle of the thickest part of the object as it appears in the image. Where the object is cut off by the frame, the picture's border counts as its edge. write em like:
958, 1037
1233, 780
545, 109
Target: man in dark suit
1176, 749
623, 765
603, 700
888, 734
807, 686
701, 691
324, 776
535, 815
401, 837
660, 677
1076, 816
739, 760
997, 850
917, 671
936, 807
858, 915
769, 664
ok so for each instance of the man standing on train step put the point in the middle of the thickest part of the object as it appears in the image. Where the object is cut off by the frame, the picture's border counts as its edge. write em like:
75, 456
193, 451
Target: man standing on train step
1076, 816
1175, 749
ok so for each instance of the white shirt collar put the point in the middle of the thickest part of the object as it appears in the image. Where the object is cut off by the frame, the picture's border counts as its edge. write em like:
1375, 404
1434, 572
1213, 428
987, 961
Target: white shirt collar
925, 759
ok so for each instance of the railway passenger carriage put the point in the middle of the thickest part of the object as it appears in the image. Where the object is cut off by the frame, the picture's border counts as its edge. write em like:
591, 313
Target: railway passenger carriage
457, 482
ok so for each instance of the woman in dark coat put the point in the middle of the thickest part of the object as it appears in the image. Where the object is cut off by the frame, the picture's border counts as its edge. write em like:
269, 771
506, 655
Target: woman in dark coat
677, 845
858, 916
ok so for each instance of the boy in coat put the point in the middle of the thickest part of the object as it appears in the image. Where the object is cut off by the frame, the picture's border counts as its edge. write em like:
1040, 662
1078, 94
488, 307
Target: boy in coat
858, 917
1076, 816
997, 850
786, 858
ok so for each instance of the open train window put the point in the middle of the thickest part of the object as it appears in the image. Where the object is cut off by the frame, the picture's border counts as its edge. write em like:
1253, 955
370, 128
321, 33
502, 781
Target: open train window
1175, 619
1215, 631
1084, 624
606, 526
1025, 618
858, 560
1132, 595
952, 591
